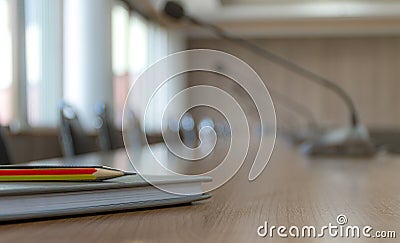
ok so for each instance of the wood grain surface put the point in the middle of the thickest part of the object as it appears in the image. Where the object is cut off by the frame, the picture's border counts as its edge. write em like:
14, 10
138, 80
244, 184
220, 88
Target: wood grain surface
293, 190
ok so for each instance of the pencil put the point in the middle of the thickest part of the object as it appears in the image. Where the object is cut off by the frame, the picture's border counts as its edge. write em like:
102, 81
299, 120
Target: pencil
59, 173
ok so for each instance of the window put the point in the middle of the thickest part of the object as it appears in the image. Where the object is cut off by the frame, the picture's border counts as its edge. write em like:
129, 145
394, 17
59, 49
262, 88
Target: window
43, 61
138, 54
138, 39
120, 38
120, 57
136, 43
149, 42
5, 64
163, 42
158, 40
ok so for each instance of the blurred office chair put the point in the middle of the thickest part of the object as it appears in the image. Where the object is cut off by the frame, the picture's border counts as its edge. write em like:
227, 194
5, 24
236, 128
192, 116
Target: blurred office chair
188, 131
5, 158
74, 140
133, 132
110, 138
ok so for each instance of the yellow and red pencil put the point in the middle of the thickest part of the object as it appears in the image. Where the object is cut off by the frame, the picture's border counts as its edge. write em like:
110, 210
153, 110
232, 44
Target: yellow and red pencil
59, 173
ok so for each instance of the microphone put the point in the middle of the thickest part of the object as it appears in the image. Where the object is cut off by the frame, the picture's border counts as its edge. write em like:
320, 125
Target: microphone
351, 141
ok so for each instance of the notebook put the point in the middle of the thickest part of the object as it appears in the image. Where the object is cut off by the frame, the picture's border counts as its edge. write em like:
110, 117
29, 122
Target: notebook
28, 200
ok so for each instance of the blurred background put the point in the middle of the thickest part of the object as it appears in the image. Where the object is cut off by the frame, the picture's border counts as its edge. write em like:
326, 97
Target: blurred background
63, 59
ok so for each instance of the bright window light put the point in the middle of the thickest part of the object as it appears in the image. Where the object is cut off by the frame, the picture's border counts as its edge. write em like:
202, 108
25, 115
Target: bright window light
33, 53
5, 47
6, 72
120, 35
138, 40
43, 26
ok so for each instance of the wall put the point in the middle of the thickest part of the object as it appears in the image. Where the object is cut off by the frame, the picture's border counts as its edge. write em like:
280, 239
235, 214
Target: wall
368, 68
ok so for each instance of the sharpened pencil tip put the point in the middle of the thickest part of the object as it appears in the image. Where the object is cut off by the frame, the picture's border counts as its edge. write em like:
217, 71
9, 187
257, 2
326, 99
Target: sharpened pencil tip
129, 173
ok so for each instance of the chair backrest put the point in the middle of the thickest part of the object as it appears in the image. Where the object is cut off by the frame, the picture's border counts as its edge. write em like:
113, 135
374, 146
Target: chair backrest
134, 134
74, 140
109, 137
188, 131
5, 158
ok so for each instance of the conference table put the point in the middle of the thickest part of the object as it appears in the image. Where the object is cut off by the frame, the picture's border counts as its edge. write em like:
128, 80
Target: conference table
293, 190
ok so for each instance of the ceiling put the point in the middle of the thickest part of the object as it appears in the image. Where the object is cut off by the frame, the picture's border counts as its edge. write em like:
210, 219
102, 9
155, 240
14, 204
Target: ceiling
263, 2
260, 18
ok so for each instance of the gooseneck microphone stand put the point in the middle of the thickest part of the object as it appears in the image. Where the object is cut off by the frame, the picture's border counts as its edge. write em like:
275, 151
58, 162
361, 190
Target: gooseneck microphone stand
351, 141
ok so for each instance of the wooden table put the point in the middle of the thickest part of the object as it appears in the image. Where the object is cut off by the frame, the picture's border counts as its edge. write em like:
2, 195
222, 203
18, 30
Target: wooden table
293, 190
